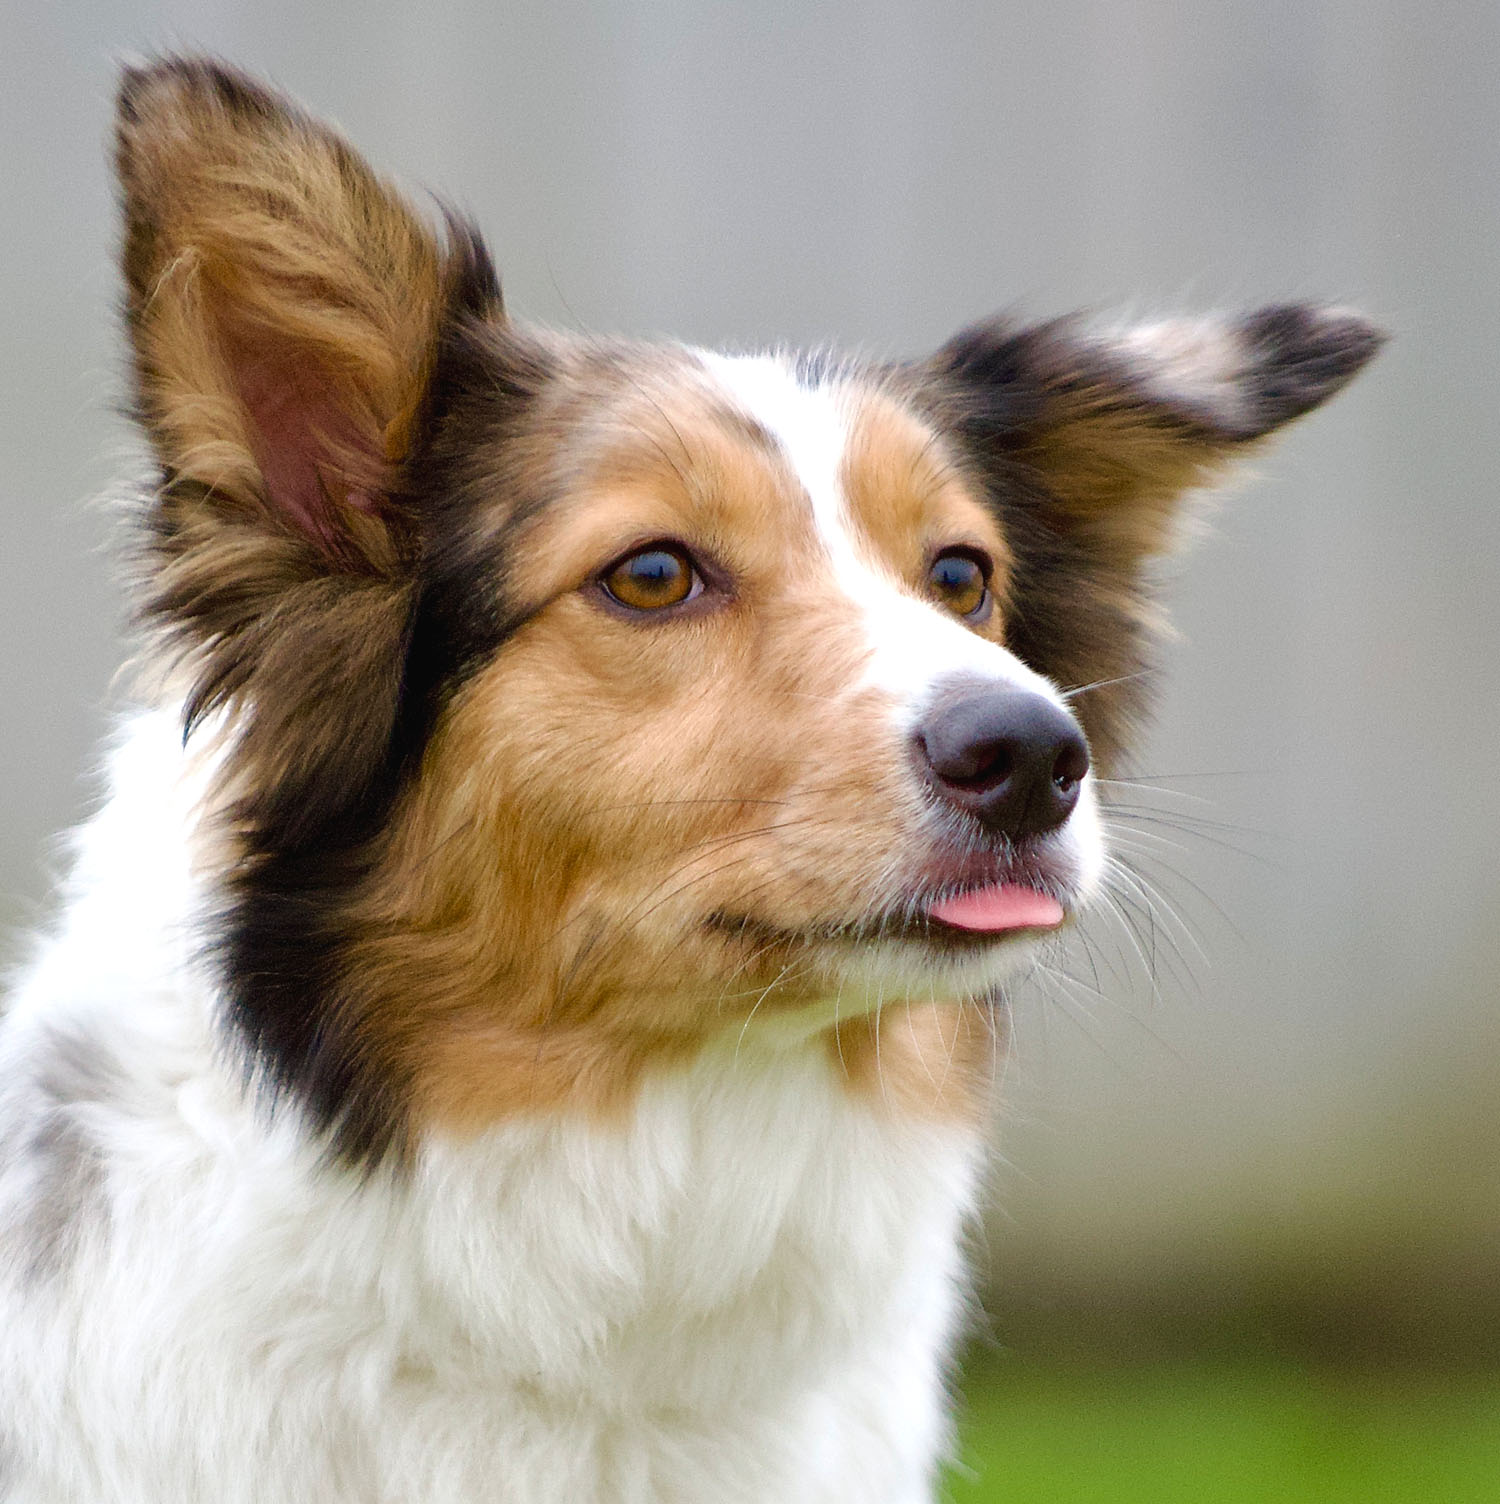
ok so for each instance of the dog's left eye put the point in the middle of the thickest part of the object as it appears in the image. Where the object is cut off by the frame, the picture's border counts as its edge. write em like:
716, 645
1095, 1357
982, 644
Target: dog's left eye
960, 578
653, 578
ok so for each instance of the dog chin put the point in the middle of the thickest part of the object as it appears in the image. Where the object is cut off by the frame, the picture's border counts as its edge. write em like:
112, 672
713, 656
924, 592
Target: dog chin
909, 963
941, 964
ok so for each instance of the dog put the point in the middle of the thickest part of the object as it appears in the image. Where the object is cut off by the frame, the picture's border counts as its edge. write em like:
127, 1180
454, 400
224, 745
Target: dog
520, 1027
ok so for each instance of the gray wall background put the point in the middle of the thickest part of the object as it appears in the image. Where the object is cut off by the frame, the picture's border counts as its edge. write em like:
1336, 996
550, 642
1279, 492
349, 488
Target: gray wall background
1298, 1111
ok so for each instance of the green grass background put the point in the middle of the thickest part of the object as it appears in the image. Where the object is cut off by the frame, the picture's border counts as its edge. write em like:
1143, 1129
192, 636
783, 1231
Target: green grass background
1225, 1433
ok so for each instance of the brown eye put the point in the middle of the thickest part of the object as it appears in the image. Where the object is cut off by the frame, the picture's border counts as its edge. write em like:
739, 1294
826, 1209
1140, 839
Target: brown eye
655, 577
960, 578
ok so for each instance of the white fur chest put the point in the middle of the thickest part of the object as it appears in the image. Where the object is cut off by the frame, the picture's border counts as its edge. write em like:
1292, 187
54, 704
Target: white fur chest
749, 1230
745, 1295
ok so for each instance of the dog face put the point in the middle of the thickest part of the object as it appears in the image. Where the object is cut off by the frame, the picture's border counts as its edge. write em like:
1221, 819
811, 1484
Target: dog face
583, 701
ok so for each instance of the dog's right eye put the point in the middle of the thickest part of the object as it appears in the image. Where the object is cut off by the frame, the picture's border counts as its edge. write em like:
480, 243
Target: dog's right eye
960, 578
653, 578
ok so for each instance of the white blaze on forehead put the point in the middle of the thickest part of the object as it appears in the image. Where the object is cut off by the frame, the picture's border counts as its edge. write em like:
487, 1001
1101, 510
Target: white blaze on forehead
914, 645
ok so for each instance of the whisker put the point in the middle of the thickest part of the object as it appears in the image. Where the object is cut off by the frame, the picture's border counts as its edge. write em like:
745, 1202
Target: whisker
1083, 689
709, 846
1148, 788
838, 1037
916, 1044
1138, 823
733, 800
1152, 778
765, 993
1079, 1016
1185, 820
1131, 931
1066, 979
1123, 843
1152, 896
879, 1069
1135, 911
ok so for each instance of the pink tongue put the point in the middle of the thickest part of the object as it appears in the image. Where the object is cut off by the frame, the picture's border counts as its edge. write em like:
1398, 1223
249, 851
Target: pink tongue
1001, 906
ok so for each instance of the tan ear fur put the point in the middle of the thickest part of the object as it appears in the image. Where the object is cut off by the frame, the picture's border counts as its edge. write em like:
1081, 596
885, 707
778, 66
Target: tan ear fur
283, 301
1117, 471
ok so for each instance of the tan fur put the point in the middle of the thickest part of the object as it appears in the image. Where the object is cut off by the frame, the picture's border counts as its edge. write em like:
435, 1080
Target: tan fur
925, 1060
1120, 473
285, 306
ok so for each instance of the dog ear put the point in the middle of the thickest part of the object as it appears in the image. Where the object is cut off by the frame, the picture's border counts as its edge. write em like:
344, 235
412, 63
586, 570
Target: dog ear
284, 304
1118, 426
286, 310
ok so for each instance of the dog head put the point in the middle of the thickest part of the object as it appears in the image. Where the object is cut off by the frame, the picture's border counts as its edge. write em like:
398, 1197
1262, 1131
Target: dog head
583, 700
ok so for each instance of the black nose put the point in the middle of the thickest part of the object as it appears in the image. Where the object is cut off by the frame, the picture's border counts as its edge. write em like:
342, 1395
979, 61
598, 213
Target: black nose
1011, 758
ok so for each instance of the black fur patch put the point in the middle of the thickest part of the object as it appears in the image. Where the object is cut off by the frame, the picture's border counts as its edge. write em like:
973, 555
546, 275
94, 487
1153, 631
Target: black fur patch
1019, 381
1073, 613
1298, 357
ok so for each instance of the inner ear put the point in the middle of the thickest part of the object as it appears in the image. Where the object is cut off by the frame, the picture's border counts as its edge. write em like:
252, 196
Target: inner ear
313, 447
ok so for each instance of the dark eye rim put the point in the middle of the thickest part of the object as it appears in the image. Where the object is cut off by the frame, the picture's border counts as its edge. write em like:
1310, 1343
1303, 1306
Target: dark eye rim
704, 592
976, 555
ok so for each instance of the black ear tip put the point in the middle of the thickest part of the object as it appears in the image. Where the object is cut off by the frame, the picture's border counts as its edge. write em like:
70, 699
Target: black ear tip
151, 84
1300, 354
1337, 332
1293, 326
474, 284
146, 81
134, 81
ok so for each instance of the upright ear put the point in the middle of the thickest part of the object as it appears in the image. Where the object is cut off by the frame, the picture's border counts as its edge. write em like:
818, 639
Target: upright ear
1118, 426
286, 309
1086, 442
284, 305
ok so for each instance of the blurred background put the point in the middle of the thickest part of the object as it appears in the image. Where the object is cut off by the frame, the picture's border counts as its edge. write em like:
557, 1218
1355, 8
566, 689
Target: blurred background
1257, 1135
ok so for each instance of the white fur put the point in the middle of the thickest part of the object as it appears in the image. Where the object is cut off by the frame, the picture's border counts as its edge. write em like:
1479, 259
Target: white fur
1202, 361
745, 1296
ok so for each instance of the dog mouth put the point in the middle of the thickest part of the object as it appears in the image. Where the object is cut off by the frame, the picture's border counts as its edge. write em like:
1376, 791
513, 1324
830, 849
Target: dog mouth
947, 912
